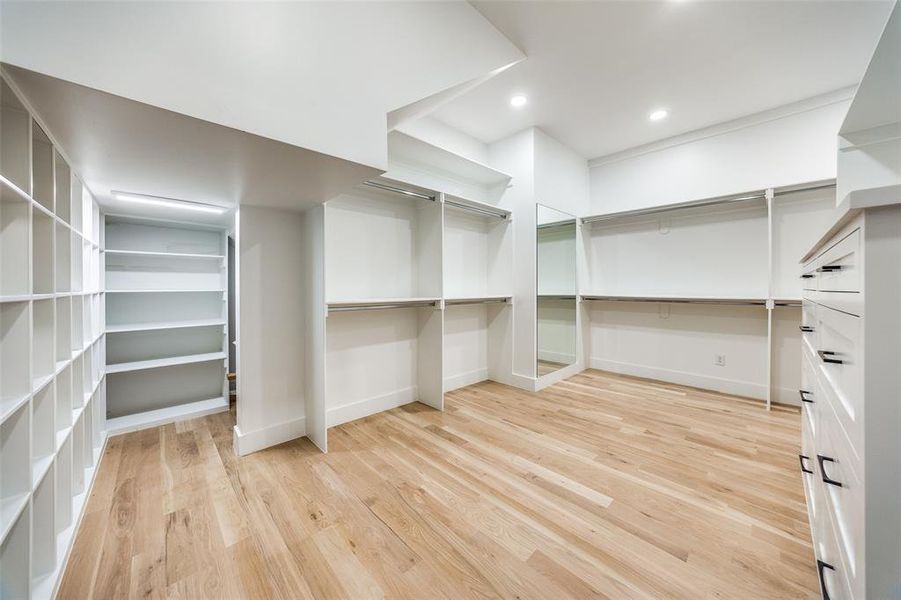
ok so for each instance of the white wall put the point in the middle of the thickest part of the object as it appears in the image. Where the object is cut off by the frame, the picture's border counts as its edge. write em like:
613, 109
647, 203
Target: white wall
271, 329
561, 176
678, 343
515, 155
791, 145
444, 136
548, 172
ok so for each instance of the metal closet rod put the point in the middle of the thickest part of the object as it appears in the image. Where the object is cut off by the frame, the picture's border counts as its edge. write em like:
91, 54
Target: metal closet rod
478, 209
397, 190
719, 301
460, 301
757, 195
380, 306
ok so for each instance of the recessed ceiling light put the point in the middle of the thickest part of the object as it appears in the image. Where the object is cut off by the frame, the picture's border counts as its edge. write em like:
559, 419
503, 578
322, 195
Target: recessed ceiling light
518, 101
658, 115
167, 202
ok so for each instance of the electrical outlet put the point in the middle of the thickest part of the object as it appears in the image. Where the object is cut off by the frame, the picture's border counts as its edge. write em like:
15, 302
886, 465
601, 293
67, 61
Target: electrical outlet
719, 360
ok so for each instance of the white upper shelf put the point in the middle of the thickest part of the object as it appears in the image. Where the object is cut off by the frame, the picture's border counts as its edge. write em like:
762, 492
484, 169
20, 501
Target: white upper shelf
412, 151
111, 252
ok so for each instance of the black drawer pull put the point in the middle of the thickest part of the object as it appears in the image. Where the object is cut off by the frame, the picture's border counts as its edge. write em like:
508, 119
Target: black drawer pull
807, 276
826, 357
803, 397
826, 479
820, 566
829, 268
805, 328
801, 459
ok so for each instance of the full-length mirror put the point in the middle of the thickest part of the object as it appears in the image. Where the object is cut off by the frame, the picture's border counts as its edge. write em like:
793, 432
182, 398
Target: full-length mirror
556, 289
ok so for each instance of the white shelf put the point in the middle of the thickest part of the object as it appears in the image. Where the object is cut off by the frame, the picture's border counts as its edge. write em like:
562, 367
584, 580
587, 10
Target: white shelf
163, 325
113, 252
457, 300
142, 365
186, 291
10, 509
40, 467
409, 150
154, 418
10, 404
677, 299
377, 303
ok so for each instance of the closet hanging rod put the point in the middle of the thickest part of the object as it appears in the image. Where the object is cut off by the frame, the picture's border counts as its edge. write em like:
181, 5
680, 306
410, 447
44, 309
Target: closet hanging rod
500, 214
662, 300
397, 190
809, 187
381, 306
681, 205
459, 301
755, 195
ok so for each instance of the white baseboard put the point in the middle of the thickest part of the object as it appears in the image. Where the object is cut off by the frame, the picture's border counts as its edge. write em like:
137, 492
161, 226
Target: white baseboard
370, 406
786, 396
463, 379
557, 357
558, 375
252, 441
748, 389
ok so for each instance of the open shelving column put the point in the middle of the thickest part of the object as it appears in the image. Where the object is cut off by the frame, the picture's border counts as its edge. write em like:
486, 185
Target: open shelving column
383, 301
51, 348
742, 252
166, 312
478, 291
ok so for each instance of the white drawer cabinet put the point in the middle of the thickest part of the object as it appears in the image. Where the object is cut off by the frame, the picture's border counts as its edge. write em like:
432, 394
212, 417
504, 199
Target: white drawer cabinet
851, 391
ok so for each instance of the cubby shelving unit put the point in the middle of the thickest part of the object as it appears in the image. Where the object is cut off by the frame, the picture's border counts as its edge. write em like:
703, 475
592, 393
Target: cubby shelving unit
764, 231
46, 348
165, 321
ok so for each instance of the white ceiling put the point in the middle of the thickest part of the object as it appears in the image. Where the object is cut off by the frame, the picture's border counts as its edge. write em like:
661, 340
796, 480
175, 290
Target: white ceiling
320, 75
595, 70
118, 144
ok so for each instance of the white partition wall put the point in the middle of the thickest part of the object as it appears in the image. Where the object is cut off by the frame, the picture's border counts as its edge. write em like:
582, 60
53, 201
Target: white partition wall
166, 311
50, 384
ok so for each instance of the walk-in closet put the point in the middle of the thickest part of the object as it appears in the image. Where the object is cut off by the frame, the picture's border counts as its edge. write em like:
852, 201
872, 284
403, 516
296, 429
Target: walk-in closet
470, 299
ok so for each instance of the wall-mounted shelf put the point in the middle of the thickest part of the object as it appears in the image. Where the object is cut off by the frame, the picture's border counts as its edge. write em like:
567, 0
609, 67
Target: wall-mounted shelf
111, 252
165, 315
458, 301
381, 303
163, 325
725, 300
184, 291
142, 365
407, 149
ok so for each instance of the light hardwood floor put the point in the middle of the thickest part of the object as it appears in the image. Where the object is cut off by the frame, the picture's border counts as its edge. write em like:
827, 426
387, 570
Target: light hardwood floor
601, 486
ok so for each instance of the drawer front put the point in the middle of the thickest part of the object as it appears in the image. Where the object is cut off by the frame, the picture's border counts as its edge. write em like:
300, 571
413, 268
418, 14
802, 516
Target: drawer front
838, 268
807, 462
809, 323
843, 501
840, 354
809, 277
809, 393
831, 570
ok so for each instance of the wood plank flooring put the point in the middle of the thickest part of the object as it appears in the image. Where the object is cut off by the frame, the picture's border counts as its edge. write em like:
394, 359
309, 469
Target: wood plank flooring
601, 486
